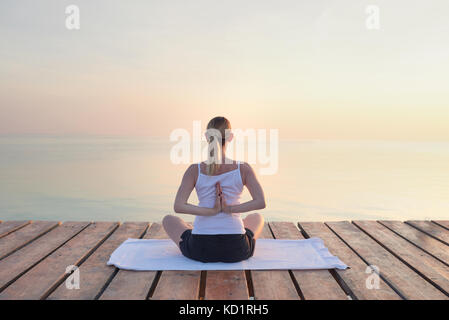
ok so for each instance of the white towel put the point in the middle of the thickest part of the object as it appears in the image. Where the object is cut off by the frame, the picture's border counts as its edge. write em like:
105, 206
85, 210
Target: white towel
155, 254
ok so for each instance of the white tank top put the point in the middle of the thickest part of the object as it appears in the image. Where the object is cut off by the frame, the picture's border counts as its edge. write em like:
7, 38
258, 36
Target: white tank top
221, 223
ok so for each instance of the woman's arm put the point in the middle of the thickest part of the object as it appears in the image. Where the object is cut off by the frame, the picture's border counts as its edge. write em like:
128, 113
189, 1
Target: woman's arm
182, 196
255, 189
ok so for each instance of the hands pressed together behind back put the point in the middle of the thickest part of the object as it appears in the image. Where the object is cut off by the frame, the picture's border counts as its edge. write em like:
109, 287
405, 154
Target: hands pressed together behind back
220, 201
249, 180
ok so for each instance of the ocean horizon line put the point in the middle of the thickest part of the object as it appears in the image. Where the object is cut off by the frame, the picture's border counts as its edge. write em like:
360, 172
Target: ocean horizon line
167, 138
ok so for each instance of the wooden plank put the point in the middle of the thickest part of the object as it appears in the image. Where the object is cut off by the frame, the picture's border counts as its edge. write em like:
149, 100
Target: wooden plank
10, 226
314, 284
403, 279
432, 246
432, 229
24, 259
20, 238
136, 285
226, 285
427, 266
444, 224
49, 273
355, 277
177, 285
94, 272
132, 285
273, 284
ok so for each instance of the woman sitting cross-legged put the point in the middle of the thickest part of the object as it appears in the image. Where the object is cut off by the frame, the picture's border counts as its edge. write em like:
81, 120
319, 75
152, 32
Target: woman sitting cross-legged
219, 234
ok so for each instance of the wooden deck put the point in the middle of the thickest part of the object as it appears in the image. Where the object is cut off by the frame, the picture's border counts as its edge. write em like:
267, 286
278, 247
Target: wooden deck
412, 259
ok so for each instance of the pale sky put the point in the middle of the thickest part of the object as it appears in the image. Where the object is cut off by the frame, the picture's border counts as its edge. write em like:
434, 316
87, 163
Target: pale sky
311, 69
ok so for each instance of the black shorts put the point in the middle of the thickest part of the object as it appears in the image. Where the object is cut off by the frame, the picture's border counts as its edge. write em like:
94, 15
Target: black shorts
217, 247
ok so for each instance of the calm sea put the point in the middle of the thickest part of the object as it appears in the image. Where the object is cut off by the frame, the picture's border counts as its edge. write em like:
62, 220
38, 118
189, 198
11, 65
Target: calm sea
133, 179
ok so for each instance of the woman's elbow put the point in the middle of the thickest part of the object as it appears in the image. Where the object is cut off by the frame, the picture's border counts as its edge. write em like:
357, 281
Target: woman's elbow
176, 208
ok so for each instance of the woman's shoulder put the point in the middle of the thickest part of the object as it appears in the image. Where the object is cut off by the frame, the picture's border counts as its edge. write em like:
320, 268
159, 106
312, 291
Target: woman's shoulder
245, 170
192, 170
193, 166
245, 166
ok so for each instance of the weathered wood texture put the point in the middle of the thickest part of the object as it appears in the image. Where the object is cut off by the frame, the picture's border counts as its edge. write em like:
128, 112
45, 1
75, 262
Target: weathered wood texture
10, 226
355, 278
176, 285
94, 272
16, 264
432, 229
131, 285
314, 284
422, 263
46, 275
404, 280
273, 284
436, 248
16, 240
410, 261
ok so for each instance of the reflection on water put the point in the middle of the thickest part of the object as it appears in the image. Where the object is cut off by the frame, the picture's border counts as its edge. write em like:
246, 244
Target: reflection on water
122, 179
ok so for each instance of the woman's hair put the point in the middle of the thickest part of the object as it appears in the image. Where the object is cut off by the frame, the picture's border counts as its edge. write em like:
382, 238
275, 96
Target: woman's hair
217, 129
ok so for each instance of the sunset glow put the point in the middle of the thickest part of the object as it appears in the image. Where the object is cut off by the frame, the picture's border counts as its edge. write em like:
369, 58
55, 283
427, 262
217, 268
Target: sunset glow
311, 69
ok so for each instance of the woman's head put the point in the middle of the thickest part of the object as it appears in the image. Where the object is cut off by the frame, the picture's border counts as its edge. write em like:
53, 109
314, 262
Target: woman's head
218, 134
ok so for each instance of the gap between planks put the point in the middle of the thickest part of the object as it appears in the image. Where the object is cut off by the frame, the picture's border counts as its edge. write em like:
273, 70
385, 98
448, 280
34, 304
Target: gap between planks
416, 259
245, 278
